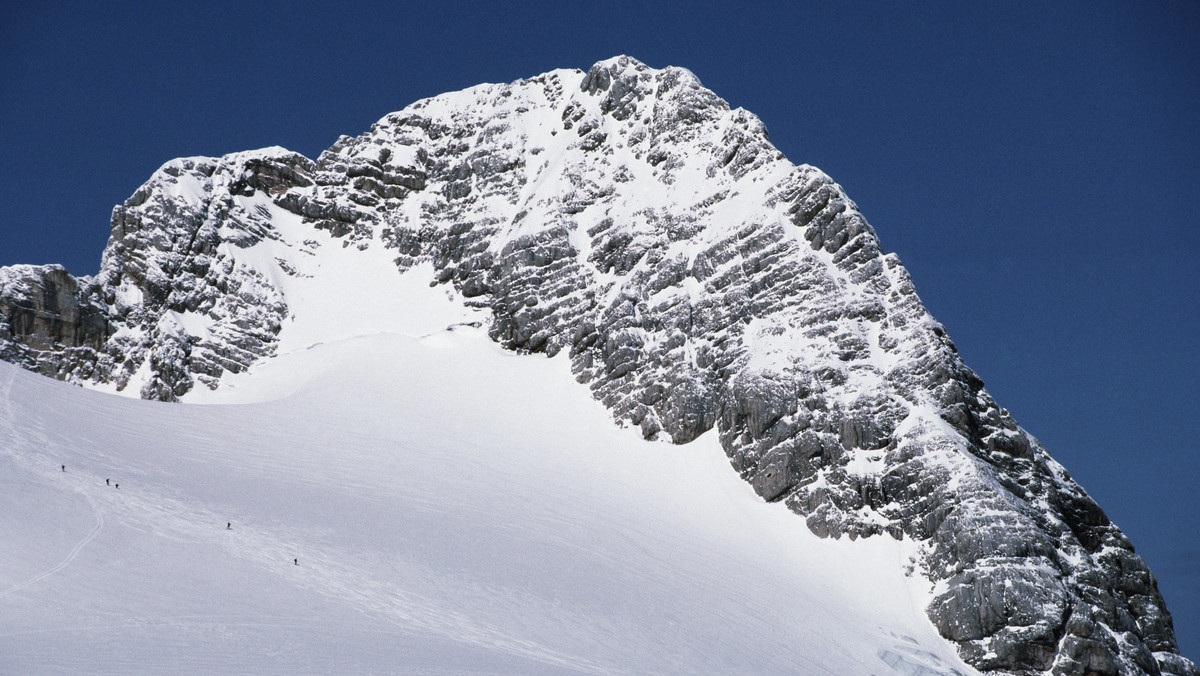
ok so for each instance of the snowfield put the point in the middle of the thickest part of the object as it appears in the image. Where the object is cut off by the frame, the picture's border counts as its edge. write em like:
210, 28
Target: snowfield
415, 500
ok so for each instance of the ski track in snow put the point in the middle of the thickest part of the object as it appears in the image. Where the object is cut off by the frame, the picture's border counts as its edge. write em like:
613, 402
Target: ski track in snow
69, 558
11, 443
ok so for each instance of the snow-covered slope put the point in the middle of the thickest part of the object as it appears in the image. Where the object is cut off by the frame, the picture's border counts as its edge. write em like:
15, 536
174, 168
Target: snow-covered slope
454, 508
629, 221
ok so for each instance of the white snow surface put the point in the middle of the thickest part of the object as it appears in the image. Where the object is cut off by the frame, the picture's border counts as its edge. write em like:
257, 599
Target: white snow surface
414, 500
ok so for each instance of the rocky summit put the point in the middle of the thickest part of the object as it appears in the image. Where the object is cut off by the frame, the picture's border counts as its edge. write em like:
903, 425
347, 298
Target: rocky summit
630, 219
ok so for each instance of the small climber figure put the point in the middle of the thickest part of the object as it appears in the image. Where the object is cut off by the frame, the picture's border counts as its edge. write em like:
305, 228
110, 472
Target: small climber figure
108, 482
116, 485
296, 562
228, 525
64, 468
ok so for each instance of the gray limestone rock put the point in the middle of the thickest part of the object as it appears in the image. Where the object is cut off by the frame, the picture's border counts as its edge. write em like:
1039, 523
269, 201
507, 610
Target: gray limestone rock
41, 310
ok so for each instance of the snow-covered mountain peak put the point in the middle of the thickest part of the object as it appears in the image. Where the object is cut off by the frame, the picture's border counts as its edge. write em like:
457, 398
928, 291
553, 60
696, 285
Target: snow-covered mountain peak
628, 220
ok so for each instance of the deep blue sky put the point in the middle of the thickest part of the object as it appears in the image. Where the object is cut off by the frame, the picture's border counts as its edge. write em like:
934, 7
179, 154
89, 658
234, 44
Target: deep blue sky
1035, 165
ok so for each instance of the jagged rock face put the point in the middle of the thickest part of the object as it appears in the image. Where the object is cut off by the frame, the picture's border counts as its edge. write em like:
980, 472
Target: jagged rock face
695, 278
44, 326
188, 309
172, 303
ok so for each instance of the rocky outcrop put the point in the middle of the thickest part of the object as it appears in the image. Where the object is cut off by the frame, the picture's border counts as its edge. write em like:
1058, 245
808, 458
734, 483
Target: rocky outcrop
46, 324
172, 305
696, 279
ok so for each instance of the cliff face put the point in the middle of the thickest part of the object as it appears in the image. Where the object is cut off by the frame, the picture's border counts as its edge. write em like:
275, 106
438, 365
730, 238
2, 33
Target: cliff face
695, 278
46, 324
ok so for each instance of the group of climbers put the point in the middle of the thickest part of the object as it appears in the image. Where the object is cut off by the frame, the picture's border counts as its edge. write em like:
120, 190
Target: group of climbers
228, 524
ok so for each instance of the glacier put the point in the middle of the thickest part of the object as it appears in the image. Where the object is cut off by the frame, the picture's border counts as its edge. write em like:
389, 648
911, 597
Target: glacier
453, 508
